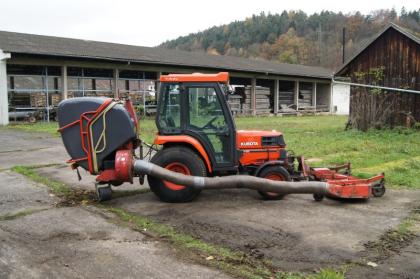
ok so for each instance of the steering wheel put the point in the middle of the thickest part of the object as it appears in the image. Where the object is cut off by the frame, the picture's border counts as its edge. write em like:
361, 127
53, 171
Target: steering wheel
210, 123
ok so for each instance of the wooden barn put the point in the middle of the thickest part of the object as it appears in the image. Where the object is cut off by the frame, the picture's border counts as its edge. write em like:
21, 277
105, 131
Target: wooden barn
385, 80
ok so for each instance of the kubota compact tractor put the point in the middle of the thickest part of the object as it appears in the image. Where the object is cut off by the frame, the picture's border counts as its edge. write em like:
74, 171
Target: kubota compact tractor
200, 147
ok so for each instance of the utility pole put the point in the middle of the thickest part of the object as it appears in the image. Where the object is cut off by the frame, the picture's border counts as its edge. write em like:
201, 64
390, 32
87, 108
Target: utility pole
320, 44
344, 44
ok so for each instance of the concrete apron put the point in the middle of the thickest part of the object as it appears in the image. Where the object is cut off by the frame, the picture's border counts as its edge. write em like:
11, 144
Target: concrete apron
76, 242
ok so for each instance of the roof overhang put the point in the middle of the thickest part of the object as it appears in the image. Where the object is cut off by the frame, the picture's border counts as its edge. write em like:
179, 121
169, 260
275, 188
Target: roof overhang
377, 36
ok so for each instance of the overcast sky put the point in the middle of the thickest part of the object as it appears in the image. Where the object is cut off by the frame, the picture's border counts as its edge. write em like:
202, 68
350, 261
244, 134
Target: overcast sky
148, 23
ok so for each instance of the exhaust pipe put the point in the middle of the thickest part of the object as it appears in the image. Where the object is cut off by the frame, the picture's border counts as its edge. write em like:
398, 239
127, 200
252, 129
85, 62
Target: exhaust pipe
142, 167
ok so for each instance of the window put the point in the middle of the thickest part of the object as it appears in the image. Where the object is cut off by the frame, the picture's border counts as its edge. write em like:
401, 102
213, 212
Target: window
206, 118
33, 86
84, 82
170, 109
204, 106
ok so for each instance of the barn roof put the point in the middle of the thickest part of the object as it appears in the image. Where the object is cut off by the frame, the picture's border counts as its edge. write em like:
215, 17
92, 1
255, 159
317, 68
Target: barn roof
21, 43
391, 25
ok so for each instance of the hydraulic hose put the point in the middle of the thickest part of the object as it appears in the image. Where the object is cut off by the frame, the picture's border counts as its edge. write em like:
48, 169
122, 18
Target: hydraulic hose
232, 181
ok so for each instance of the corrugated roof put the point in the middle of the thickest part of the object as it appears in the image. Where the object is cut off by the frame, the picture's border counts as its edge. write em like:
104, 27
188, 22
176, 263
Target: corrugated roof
64, 47
398, 28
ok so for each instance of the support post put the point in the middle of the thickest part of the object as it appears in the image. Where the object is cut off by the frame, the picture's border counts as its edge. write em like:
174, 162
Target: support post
116, 78
157, 87
64, 92
254, 96
47, 94
296, 100
314, 88
4, 103
276, 96
331, 102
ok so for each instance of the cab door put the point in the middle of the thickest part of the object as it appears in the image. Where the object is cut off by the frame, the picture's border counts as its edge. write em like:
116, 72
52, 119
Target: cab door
209, 120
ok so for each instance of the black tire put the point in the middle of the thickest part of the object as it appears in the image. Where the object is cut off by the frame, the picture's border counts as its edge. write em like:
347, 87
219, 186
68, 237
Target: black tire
181, 155
274, 171
379, 190
318, 197
104, 193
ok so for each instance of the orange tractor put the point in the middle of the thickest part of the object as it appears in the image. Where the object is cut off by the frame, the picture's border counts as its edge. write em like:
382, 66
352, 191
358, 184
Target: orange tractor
199, 147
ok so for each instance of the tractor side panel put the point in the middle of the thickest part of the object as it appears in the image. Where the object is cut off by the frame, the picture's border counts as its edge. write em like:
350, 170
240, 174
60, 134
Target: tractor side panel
259, 156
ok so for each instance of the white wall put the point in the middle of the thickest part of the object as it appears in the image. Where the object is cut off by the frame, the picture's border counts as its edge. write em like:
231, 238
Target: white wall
4, 105
340, 99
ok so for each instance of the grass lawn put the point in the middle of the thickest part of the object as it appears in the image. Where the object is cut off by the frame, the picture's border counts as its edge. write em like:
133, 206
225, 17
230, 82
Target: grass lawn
396, 152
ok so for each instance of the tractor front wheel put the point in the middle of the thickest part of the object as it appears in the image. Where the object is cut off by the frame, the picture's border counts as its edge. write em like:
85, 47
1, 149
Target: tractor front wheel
274, 173
178, 159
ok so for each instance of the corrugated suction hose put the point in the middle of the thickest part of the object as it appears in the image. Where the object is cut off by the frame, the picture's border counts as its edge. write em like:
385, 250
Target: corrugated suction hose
232, 181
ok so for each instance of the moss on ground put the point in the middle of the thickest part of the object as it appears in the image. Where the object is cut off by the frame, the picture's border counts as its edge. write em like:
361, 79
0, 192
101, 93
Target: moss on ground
19, 214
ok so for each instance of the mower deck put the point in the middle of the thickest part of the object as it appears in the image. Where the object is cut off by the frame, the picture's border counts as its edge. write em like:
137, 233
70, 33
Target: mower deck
343, 185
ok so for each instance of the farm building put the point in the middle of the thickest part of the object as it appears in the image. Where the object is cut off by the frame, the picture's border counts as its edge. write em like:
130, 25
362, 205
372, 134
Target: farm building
390, 64
36, 72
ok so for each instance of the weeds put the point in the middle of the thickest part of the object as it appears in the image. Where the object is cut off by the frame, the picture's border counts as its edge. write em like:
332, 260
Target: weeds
57, 188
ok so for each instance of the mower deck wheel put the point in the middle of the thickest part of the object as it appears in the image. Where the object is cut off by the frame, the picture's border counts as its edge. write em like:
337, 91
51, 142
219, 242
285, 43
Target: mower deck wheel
378, 190
274, 173
104, 192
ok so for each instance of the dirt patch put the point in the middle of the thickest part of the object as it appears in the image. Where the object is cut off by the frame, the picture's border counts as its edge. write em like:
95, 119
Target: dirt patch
392, 242
401, 262
285, 250
395, 254
77, 197
253, 241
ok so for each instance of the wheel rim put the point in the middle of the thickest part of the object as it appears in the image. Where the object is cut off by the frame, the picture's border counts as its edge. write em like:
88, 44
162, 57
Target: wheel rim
179, 168
274, 176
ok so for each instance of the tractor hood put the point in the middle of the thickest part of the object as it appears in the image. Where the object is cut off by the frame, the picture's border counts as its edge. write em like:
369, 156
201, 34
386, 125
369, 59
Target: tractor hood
251, 139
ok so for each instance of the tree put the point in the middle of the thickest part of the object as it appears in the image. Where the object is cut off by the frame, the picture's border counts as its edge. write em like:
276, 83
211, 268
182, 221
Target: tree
294, 36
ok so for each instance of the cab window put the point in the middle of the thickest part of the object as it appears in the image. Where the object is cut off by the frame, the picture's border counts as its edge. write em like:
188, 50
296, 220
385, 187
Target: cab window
206, 118
169, 118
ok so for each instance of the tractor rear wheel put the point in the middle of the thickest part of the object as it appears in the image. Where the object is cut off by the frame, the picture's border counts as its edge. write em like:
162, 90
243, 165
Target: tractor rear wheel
178, 159
274, 173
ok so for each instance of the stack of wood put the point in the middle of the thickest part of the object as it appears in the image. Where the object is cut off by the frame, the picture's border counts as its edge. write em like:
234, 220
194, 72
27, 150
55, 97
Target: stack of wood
234, 102
39, 99
262, 95
55, 99
135, 97
305, 97
286, 97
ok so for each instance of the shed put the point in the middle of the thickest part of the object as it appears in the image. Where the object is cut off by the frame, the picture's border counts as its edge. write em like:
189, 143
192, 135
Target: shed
36, 72
392, 60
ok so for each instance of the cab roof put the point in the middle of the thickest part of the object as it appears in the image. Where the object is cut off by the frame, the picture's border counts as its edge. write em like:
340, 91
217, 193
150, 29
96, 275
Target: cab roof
196, 77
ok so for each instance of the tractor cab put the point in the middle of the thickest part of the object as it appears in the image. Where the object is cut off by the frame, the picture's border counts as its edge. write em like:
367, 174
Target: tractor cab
193, 111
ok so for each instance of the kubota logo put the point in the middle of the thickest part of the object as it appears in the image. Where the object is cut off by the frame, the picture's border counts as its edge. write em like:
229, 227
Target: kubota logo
249, 143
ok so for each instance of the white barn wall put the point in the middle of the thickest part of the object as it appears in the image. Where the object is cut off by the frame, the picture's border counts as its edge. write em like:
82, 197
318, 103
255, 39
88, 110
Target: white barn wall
4, 107
340, 99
